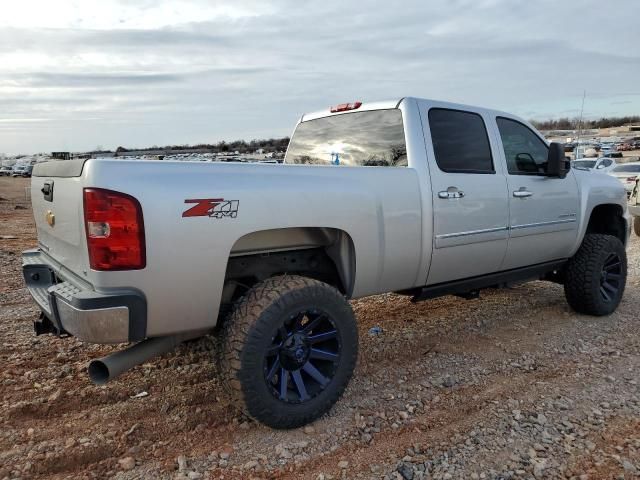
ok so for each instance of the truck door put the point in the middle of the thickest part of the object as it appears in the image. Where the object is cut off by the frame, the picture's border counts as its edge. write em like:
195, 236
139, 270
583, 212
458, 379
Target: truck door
543, 210
470, 208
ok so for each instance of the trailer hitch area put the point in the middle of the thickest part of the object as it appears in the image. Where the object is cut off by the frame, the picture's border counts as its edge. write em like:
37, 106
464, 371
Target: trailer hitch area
43, 326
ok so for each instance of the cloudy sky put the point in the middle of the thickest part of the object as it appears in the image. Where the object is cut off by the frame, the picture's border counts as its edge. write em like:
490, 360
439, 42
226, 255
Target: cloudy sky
78, 74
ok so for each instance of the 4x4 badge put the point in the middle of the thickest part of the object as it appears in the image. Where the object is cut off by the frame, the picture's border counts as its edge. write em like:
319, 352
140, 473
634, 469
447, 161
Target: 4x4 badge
212, 207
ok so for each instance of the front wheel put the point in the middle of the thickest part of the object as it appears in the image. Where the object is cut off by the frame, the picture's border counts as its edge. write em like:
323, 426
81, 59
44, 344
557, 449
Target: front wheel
596, 276
289, 349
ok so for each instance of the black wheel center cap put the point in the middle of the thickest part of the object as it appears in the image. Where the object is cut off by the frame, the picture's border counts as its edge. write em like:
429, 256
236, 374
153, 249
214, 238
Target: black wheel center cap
295, 351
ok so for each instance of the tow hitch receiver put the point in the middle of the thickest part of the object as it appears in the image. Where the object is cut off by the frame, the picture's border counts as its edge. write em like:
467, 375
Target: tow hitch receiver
43, 326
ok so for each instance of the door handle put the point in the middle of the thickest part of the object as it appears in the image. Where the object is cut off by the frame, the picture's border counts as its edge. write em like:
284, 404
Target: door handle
451, 192
522, 193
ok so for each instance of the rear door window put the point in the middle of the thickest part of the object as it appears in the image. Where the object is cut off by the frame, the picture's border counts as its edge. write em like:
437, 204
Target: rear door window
367, 139
460, 141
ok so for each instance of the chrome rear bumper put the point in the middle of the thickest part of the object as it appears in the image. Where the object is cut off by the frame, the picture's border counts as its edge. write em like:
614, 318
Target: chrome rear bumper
86, 314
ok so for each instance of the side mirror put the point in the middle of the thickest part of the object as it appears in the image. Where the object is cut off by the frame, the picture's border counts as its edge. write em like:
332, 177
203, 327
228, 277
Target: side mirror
557, 164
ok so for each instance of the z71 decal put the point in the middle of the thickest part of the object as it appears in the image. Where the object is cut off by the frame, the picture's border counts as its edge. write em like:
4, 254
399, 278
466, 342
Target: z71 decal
212, 207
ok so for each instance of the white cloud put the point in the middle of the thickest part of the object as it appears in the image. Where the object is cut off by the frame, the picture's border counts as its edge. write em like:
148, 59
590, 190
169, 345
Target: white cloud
148, 72
109, 15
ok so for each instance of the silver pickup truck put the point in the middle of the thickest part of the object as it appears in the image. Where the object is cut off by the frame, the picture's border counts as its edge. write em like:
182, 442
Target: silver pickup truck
414, 196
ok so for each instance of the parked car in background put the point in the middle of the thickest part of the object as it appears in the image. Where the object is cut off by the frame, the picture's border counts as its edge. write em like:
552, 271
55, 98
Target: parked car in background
627, 173
585, 151
21, 170
613, 155
602, 165
607, 148
17, 170
6, 171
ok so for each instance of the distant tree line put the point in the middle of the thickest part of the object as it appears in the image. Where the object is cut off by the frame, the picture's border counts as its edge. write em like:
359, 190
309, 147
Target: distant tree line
574, 123
242, 146
280, 144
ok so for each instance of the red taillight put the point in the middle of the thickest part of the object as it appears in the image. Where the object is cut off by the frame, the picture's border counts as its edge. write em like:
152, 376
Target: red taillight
115, 230
343, 107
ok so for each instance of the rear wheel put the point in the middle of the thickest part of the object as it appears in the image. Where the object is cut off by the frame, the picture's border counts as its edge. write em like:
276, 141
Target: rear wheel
596, 276
289, 350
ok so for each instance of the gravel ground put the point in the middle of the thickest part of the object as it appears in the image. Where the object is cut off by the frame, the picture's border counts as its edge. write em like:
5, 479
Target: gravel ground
512, 385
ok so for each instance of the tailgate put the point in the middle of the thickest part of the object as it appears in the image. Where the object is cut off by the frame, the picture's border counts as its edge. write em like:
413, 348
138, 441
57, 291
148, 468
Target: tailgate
56, 195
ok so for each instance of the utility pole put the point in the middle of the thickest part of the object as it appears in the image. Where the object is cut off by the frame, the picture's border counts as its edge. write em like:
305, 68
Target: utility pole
584, 95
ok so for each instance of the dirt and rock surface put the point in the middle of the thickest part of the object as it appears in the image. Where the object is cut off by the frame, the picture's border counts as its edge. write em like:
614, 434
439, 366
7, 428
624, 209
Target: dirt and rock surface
512, 385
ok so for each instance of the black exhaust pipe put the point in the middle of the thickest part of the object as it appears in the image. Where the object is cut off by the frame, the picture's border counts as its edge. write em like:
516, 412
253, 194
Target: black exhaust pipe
107, 368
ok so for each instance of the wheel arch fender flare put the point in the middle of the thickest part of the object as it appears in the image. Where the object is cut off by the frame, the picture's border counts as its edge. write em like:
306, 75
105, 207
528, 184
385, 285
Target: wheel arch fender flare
602, 217
336, 242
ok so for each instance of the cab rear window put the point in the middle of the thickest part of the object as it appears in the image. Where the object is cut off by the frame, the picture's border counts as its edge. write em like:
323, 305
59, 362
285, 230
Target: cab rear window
367, 139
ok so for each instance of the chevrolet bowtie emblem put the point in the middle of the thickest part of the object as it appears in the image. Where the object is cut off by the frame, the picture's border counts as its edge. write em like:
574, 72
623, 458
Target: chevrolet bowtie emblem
51, 218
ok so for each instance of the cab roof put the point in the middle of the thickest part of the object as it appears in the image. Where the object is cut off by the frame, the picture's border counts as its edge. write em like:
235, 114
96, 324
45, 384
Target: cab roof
395, 103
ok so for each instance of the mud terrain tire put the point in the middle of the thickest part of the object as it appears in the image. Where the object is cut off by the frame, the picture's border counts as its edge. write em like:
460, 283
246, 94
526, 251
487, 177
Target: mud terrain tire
289, 349
595, 277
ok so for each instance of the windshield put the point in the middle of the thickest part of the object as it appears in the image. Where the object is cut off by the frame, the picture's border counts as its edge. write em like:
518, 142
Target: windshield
627, 168
584, 163
369, 139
